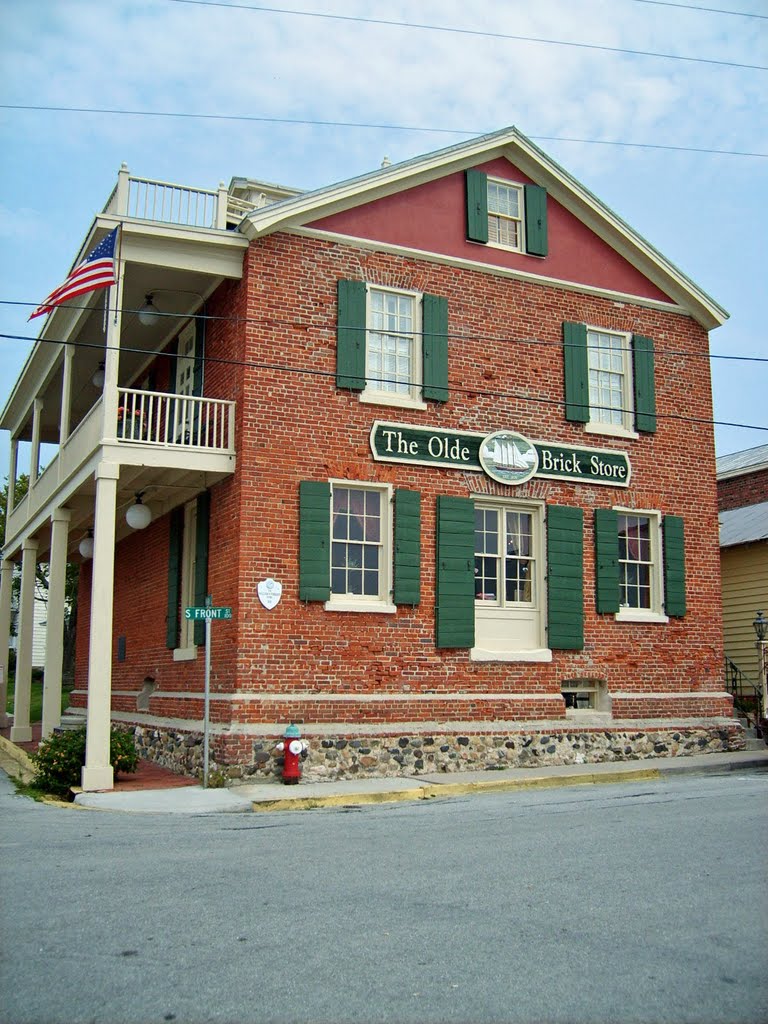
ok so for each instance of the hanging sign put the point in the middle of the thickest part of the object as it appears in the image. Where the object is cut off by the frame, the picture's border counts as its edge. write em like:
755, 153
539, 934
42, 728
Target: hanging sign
504, 455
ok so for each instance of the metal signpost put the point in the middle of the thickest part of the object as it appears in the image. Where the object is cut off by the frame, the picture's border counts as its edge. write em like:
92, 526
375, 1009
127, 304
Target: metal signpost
207, 614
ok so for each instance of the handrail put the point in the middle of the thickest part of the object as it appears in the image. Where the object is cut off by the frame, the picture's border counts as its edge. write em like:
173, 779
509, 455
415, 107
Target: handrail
747, 695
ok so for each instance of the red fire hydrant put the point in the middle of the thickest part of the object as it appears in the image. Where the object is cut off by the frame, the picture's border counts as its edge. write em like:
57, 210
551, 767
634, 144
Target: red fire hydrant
292, 748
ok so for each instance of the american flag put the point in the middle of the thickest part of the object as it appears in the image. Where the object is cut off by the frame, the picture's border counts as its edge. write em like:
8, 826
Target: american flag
96, 271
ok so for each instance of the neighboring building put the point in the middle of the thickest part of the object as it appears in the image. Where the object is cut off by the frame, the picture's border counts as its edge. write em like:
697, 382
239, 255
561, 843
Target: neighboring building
742, 493
39, 632
422, 432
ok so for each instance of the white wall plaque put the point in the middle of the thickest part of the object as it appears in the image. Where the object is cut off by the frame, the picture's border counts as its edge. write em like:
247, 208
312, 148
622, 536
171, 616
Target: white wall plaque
270, 592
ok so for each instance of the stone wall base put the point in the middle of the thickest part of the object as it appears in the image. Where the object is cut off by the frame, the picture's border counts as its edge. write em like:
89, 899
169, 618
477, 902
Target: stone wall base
247, 758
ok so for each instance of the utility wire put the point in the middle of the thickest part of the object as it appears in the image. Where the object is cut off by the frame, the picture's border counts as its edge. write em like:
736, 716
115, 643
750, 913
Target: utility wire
469, 32
703, 10
309, 325
331, 375
363, 124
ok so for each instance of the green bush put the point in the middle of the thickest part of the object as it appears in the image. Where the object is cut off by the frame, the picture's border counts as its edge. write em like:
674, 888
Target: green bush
59, 758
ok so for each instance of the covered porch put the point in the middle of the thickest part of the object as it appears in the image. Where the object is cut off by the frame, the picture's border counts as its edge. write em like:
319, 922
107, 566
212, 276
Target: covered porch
112, 412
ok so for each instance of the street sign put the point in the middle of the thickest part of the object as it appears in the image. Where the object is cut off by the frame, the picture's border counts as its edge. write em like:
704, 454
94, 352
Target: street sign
201, 614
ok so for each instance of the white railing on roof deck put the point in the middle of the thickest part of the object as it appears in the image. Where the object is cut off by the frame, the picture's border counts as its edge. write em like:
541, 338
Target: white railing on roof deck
175, 421
168, 203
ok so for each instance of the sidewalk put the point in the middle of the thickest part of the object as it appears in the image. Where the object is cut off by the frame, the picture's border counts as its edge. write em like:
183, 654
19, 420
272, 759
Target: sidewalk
157, 790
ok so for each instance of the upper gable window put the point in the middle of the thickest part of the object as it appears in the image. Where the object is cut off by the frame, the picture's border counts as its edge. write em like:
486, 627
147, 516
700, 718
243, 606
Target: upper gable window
505, 215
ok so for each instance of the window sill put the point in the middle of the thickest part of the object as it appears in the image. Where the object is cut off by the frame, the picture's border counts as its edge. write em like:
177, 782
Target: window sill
396, 401
611, 430
534, 654
637, 615
360, 606
185, 653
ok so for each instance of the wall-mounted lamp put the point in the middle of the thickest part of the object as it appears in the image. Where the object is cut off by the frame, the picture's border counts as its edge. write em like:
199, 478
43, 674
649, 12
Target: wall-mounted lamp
138, 515
86, 545
760, 626
98, 377
149, 314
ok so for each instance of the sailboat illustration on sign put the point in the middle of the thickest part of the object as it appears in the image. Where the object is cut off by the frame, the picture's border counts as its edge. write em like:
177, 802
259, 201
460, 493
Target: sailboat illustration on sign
508, 457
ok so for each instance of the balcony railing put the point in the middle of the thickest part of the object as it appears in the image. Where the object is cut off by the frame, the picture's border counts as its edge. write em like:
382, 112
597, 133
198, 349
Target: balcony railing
168, 203
173, 421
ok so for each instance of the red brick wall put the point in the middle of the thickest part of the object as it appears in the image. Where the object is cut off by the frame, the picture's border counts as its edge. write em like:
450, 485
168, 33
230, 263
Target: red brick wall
740, 491
293, 425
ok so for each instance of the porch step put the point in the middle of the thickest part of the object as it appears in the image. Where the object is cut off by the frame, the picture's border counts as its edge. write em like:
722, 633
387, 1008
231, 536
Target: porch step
70, 722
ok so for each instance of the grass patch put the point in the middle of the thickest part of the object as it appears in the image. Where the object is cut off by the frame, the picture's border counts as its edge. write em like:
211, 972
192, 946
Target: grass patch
30, 790
36, 699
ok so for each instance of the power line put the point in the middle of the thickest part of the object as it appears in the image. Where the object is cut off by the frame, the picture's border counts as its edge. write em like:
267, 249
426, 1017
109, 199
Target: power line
331, 375
362, 124
469, 32
304, 325
703, 10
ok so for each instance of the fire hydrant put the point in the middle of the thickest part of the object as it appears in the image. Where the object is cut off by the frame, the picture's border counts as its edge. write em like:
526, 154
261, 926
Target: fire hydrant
293, 748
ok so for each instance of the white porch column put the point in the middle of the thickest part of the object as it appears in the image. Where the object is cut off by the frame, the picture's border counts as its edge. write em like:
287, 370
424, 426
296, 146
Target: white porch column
66, 393
110, 397
34, 457
21, 731
13, 469
97, 772
54, 639
6, 584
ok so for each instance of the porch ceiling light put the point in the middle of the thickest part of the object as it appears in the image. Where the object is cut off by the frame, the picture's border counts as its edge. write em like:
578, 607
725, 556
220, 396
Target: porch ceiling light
138, 515
760, 626
98, 378
149, 314
86, 545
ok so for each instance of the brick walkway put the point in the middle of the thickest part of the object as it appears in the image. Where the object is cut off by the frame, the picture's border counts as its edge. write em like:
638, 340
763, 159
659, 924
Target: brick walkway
148, 775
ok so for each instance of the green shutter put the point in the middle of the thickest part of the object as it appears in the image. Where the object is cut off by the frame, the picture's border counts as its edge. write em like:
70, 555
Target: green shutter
197, 378
174, 577
477, 206
645, 390
314, 540
455, 594
606, 560
407, 547
350, 335
173, 358
203, 518
565, 577
535, 220
576, 372
434, 312
674, 566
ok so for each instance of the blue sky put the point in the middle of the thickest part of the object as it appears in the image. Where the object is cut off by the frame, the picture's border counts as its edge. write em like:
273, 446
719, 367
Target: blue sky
706, 212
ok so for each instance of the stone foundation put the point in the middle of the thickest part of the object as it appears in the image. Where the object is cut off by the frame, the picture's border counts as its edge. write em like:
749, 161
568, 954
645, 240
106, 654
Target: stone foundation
410, 754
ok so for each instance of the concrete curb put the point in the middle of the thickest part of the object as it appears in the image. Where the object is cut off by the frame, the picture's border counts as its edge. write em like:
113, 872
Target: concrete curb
18, 760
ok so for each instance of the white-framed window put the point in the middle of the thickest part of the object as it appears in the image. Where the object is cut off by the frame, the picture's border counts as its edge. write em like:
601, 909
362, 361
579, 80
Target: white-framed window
361, 547
640, 566
509, 574
506, 215
187, 648
393, 347
609, 364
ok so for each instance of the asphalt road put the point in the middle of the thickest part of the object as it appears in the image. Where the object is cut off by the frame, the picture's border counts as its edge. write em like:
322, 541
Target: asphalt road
639, 903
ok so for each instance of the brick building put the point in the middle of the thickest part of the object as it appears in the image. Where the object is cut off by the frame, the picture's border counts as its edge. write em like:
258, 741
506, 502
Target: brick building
438, 435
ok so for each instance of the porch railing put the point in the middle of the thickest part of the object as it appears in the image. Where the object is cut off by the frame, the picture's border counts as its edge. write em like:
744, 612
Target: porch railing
747, 695
175, 421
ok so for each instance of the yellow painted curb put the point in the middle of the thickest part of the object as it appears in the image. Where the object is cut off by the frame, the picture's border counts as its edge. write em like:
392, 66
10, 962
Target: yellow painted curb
308, 803
430, 791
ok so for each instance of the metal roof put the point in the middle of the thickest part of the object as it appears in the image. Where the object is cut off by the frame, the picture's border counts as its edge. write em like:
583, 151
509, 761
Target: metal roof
749, 461
744, 525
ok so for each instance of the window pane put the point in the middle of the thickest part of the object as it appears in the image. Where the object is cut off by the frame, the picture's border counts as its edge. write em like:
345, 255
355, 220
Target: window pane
356, 549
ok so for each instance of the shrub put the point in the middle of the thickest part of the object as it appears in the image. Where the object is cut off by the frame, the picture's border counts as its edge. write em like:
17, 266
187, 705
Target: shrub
59, 758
